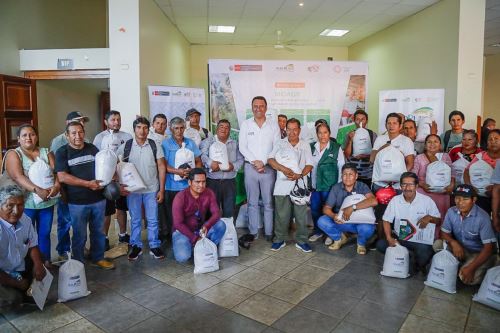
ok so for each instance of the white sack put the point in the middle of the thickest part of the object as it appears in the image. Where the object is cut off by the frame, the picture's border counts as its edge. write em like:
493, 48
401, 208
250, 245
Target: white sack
396, 262
443, 272
480, 174
128, 175
423, 128
183, 155
42, 176
242, 219
489, 292
218, 153
389, 165
205, 256
72, 281
111, 141
193, 134
228, 246
459, 166
366, 215
361, 143
438, 175
287, 158
105, 166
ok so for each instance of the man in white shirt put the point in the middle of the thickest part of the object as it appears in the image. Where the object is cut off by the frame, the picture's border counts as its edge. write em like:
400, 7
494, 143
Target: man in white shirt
112, 138
300, 152
158, 129
257, 137
193, 116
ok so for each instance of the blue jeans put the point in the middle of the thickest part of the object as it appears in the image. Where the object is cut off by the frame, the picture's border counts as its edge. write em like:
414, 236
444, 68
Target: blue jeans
135, 201
63, 226
181, 244
42, 220
318, 199
334, 230
94, 215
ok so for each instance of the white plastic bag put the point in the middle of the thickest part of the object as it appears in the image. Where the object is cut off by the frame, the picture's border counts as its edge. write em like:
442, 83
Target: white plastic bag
443, 272
361, 143
366, 215
228, 246
105, 166
128, 176
112, 142
218, 153
438, 175
423, 128
480, 174
205, 256
459, 166
242, 219
41, 175
182, 156
396, 262
72, 281
389, 165
288, 158
489, 292
193, 134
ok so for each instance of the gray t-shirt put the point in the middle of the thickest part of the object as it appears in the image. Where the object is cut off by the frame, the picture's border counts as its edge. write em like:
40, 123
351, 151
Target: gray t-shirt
455, 139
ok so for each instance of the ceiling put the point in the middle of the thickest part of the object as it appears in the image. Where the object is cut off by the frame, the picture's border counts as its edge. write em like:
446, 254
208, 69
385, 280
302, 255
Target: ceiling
257, 21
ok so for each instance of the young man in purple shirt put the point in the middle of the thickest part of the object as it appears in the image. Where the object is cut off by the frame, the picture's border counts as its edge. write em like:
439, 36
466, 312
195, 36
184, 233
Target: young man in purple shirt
195, 212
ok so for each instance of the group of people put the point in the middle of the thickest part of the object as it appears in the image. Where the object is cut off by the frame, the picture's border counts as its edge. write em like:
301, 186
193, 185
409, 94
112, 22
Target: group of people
182, 203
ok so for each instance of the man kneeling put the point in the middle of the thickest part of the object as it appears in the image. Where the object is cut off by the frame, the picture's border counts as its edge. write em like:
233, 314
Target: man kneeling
20, 257
195, 212
333, 224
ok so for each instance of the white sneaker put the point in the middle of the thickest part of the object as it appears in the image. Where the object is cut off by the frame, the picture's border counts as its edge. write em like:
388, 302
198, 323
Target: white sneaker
315, 237
328, 241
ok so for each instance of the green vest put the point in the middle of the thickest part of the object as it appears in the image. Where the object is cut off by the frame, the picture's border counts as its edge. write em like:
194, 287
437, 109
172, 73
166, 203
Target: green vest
327, 171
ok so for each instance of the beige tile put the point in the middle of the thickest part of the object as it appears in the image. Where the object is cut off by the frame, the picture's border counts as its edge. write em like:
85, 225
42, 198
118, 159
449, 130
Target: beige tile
227, 268
226, 294
160, 274
278, 266
312, 275
263, 246
290, 252
288, 290
263, 308
49, 319
195, 283
441, 310
79, 326
461, 297
250, 257
328, 261
254, 279
484, 317
414, 324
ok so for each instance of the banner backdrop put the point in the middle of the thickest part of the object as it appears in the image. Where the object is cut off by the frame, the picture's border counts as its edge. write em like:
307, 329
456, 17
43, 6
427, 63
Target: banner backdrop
414, 104
307, 90
175, 101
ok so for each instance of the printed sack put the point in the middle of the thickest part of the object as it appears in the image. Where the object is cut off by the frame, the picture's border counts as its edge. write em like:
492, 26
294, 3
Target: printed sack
489, 292
205, 256
389, 165
41, 175
183, 156
443, 272
228, 246
72, 280
128, 176
366, 215
459, 166
480, 174
396, 262
361, 143
105, 166
438, 175
218, 153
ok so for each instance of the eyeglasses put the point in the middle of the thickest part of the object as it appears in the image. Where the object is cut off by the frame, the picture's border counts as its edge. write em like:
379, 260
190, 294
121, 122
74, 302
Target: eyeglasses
408, 184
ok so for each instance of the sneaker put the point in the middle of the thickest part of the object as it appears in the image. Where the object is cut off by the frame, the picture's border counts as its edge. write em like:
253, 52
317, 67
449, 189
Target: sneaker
278, 246
124, 239
361, 249
106, 244
328, 241
269, 238
304, 247
338, 244
104, 264
157, 253
255, 236
315, 237
134, 253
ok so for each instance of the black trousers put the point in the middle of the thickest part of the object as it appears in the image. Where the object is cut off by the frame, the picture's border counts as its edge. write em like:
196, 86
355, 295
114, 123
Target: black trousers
165, 219
225, 192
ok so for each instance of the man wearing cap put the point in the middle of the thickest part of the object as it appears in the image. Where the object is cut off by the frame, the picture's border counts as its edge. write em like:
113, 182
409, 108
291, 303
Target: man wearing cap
467, 230
193, 117
63, 217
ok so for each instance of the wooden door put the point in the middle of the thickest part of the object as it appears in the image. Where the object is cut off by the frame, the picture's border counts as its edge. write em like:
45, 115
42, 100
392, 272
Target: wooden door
17, 107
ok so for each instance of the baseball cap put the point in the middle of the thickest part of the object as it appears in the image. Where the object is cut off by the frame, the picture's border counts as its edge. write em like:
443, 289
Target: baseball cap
465, 190
190, 112
76, 115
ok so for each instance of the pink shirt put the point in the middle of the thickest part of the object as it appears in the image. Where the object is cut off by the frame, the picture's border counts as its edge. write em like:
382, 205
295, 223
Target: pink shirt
421, 163
486, 158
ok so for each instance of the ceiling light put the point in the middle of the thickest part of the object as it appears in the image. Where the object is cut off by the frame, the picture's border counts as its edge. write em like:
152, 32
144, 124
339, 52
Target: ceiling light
333, 32
228, 29
301, 4
495, 45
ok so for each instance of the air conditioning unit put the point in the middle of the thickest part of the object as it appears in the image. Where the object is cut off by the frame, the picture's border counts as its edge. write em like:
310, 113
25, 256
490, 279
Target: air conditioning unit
63, 59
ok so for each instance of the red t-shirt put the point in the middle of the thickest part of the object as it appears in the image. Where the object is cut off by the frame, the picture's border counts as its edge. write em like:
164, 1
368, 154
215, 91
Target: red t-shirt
458, 149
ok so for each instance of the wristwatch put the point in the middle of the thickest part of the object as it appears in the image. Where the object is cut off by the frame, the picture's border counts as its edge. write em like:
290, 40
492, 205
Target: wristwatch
354, 208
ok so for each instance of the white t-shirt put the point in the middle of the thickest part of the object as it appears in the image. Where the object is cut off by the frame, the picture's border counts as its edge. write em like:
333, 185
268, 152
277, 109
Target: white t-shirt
401, 142
111, 140
304, 156
256, 143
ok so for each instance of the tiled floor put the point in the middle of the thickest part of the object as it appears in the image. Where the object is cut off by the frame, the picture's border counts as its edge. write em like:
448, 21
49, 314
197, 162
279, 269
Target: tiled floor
259, 291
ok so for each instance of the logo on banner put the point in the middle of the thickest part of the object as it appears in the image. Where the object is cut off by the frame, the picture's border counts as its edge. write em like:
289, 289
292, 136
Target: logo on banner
161, 93
246, 68
286, 68
313, 68
390, 100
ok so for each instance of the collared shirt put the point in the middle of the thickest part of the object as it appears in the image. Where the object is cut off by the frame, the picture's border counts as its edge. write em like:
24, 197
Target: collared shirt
15, 241
109, 139
316, 157
472, 231
338, 193
233, 153
157, 136
256, 143
400, 209
170, 147
143, 159
60, 141
303, 154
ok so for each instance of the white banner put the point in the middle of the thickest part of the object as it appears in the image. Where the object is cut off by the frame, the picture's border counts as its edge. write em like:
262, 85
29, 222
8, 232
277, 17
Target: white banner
307, 90
414, 104
175, 101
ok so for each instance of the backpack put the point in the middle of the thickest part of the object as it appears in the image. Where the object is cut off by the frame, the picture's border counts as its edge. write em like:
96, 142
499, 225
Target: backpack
446, 139
128, 148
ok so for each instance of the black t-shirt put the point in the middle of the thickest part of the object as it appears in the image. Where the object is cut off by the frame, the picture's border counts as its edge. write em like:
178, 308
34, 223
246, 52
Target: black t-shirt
81, 164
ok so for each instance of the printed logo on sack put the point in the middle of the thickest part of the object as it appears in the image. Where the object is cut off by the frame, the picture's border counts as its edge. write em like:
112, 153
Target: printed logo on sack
245, 68
313, 68
161, 93
286, 68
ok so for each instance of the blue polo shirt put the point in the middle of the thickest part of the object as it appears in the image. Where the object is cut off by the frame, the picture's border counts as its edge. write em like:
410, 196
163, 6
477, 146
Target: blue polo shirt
170, 147
472, 231
15, 241
338, 193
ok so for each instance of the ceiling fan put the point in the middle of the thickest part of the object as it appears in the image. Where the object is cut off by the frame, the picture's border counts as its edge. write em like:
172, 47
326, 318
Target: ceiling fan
279, 45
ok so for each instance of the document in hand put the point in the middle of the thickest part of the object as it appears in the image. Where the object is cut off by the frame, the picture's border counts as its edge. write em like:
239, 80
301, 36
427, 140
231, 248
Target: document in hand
40, 289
